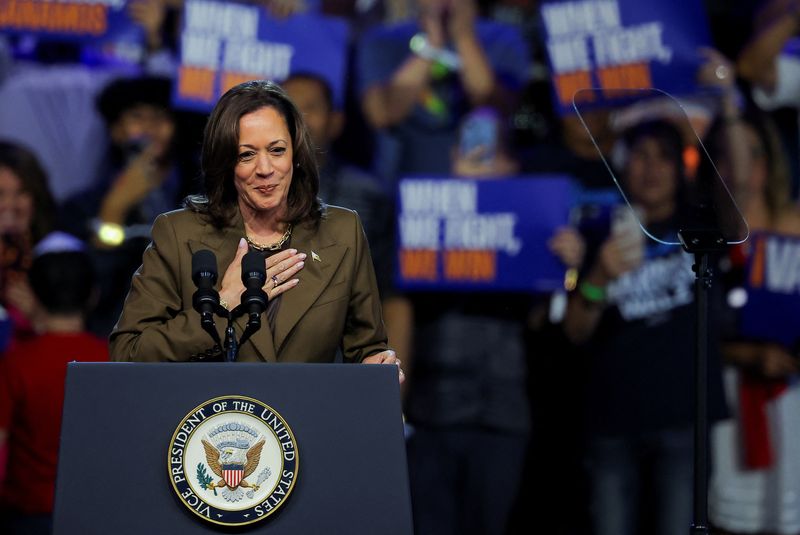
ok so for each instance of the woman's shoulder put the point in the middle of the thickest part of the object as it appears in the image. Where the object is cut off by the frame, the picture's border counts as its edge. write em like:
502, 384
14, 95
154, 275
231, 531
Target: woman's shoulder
339, 217
182, 217
180, 224
338, 214
338, 223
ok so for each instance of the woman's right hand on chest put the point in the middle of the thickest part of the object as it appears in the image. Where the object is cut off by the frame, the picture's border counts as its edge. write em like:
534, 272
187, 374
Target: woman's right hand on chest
280, 269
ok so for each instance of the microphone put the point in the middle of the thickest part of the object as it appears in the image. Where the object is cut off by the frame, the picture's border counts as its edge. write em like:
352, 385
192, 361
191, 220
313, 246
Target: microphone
254, 276
204, 274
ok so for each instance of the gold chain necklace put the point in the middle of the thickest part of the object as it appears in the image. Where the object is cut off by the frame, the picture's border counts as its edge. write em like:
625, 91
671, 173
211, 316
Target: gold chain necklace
272, 247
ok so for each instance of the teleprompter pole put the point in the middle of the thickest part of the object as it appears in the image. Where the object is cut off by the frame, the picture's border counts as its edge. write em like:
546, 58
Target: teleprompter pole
701, 243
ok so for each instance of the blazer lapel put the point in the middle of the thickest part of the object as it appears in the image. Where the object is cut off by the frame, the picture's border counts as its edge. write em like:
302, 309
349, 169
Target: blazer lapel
224, 243
315, 276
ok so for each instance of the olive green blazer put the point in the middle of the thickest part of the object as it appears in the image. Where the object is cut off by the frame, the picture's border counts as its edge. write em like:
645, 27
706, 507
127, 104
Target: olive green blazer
335, 305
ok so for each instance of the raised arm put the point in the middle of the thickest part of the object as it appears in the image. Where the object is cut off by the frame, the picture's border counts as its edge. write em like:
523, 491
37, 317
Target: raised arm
443, 23
477, 75
388, 103
617, 255
779, 21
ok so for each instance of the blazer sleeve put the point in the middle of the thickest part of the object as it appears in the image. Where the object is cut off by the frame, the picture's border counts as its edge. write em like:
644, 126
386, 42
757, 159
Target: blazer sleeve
364, 332
156, 325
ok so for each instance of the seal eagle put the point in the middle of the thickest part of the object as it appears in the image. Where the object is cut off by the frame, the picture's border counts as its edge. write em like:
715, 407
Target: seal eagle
233, 475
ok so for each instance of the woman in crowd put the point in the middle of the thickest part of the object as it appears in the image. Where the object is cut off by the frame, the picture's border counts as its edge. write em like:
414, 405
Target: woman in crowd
755, 486
633, 314
26, 212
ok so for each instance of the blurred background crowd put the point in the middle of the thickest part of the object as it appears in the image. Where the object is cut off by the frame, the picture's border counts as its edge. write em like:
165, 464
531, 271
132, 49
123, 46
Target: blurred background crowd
564, 412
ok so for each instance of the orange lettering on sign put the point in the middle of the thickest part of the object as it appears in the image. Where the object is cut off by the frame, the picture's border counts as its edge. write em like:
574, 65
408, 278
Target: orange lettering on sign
70, 19
76, 18
472, 266
568, 84
633, 75
98, 20
418, 264
757, 271
196, 84
230, 79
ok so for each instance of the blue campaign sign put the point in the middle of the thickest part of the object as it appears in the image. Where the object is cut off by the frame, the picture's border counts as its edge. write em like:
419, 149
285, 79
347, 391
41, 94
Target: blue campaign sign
103, 27
622, 44
773, 290
226, 43
465, 234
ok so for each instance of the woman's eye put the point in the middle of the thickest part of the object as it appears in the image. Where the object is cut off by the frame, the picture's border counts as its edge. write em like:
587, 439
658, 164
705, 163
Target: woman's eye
278, 150
246, 156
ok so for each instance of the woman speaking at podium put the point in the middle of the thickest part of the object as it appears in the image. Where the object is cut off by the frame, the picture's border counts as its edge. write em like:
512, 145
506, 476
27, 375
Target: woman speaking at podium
261, 182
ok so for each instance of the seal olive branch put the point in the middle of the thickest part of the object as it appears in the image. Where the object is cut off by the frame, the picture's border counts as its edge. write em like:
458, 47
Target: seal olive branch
204, 479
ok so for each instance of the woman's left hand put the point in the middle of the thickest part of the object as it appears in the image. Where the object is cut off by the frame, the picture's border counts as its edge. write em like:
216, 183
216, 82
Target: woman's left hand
386, 357
716, 70
568, 245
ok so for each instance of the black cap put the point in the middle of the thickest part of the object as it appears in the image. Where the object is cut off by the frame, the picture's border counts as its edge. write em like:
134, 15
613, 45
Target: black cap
124, 93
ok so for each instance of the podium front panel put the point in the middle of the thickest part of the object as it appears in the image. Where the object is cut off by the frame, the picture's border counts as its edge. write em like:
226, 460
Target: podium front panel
119, 419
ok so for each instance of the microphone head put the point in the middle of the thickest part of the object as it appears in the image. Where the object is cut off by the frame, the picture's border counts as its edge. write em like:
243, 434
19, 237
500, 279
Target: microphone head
204, 266
253, 269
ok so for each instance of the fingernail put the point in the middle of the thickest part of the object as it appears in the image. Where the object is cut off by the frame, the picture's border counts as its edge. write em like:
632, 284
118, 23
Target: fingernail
295, 281
301, 264
293, 251
242, 243
302, 255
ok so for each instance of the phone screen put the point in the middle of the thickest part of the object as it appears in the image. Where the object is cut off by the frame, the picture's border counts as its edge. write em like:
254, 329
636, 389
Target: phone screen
479, 134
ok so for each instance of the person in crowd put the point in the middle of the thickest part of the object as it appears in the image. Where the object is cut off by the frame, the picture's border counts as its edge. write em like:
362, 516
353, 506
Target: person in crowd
466, 392
419, 79
569, 148
140, 180
26, 208
26, 216
755, 484
764, 61
261, 182
769, 62
633, 315
32, 377
342, 184
150, 15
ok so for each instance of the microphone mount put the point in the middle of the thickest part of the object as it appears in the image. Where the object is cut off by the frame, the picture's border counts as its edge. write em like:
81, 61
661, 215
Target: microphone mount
253, 303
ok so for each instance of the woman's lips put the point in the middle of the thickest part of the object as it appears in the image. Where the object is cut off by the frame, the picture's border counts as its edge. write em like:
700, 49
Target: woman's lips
265, 190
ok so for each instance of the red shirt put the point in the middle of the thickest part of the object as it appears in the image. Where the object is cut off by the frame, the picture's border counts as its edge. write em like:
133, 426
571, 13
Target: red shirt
31, 397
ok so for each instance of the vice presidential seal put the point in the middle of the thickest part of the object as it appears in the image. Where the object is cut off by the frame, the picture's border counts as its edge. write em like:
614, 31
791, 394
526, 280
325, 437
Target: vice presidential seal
233, 461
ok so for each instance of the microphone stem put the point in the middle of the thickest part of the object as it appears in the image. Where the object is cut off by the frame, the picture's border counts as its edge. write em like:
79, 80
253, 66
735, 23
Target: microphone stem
208, 325
231, 347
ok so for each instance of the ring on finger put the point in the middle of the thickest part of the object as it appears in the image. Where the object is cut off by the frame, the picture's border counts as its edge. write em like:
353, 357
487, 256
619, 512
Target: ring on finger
275, 281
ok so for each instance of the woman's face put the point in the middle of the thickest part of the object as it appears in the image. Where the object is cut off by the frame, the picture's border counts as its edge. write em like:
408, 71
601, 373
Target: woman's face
651, 176
16, 204
145, 123
263, 172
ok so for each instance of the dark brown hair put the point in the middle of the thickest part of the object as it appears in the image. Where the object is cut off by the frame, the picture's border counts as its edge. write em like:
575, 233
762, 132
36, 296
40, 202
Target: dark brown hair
668, 137
24, 164
220, 151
